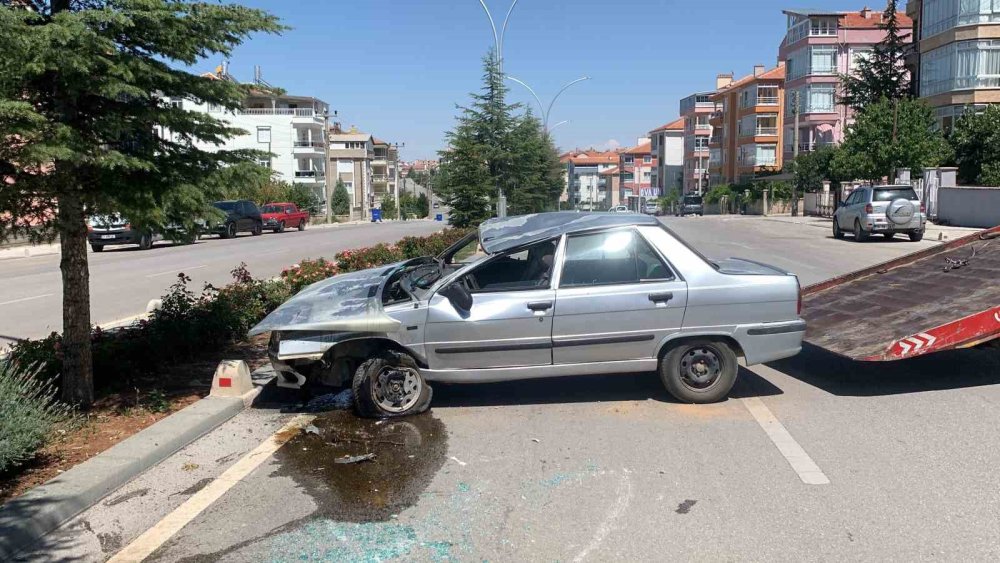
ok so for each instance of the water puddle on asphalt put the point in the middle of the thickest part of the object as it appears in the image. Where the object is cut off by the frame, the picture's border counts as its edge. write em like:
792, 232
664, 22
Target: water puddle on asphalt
323, 459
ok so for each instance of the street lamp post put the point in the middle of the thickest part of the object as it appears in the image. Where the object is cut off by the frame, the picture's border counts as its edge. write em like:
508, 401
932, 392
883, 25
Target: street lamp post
326, 165
498, 42
546, 111
395, 184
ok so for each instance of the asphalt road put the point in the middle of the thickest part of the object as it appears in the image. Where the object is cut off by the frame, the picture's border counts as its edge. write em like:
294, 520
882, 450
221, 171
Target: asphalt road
608, 467
124, 279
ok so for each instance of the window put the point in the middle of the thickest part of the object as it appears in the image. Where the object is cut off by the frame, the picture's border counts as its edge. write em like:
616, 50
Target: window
767, 124
702, 122
214, 108
265, 162
892, 194
647, 159
747, 98
701, 143
178, 104
941, 15
823, 27
526, 269
820, 98
263, 134
860, 54
766, 155
767, 95
615, 257
629, 159
823, 60
963, 65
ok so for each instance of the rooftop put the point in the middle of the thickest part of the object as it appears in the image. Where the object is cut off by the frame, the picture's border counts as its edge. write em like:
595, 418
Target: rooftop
498, 235
864, 18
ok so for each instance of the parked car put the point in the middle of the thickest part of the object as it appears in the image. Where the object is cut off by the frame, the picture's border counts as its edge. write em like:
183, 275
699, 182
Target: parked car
691, 205
620, 209
113, 230
553, 294
651, 208
279, 216
886, 210
242, 216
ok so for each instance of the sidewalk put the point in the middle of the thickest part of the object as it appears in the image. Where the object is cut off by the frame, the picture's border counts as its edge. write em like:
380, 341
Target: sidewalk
933, 232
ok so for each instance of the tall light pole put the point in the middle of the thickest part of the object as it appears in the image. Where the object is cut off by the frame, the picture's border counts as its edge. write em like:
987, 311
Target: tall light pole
553, 128
545, 111
395, 184
498, 42
326, 165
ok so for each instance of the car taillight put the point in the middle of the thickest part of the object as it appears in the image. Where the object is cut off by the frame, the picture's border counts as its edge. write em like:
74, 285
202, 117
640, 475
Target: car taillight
869, 208
128, 226
923, 208
799, 284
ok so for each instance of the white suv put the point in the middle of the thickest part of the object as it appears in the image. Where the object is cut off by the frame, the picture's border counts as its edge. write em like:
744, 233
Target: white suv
881, 209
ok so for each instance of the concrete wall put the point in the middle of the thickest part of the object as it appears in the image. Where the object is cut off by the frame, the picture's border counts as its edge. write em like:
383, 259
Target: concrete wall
969, 206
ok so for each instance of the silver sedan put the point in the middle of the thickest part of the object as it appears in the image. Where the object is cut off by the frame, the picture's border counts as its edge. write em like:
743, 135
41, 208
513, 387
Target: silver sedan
547, 295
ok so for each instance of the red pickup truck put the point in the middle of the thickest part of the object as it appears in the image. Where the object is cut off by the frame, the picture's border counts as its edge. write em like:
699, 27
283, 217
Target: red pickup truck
279, 216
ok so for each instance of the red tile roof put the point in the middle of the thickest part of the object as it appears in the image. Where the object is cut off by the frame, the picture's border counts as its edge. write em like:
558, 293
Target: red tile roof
594, 157
610, 171
676, 125
856, 20
776, 73
638, 149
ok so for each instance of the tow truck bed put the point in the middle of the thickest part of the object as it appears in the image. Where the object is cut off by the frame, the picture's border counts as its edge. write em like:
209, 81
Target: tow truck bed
937, 299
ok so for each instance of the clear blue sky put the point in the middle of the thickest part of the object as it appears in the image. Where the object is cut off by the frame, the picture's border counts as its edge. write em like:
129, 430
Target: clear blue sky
396, 68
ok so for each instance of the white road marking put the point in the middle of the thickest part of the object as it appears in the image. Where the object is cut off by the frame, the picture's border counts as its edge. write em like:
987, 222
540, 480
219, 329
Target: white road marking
176, 271
808, 471
26, 299
621, 503
144, 545
458, 461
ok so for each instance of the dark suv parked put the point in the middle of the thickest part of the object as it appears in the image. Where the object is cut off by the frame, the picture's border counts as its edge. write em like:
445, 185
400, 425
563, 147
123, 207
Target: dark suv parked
242, 216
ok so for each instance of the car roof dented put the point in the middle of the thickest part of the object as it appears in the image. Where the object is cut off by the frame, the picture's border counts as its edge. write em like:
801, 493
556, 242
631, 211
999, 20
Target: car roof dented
498, 235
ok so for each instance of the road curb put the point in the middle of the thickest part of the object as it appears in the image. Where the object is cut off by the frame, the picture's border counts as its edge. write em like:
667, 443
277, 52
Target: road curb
28, 251
26, 519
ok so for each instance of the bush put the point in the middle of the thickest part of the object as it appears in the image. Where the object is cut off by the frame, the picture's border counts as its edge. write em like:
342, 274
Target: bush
388, 208
28, 411
371, 257
340, 200
308, 272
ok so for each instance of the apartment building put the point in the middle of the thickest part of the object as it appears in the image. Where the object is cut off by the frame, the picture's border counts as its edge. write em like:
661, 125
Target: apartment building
384, 161
696, 111
635, 171
288, 127
587, 188
747, 127
351, 155
956, 65
667, 145
818, 48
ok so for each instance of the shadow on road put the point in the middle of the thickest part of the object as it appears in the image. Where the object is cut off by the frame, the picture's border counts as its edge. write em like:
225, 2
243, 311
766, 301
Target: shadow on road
581, 389
837, 375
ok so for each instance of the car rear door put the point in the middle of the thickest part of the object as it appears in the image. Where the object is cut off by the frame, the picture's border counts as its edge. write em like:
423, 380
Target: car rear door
510, 321
617, 299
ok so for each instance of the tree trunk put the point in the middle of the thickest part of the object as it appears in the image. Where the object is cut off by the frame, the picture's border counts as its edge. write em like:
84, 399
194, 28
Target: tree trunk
78, 370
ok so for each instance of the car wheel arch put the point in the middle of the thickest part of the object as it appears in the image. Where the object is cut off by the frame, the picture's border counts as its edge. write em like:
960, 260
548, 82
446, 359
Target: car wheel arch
675, 340
364, 347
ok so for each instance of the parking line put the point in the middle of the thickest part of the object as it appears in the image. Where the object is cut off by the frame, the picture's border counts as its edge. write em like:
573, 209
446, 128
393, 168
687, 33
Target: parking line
177, 271
808, 471
144, 545
26, 299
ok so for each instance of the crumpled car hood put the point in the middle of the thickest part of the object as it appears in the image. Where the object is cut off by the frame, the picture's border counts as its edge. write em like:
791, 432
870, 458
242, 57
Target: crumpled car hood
344, 303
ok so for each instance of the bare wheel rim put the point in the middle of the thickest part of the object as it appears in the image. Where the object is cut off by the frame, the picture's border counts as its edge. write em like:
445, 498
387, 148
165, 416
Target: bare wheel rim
701, 368
396, 389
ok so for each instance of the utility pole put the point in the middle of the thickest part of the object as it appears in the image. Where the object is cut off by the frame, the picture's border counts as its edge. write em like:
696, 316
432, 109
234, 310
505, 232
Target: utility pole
498, 84
795, 149
395, 184
326, 165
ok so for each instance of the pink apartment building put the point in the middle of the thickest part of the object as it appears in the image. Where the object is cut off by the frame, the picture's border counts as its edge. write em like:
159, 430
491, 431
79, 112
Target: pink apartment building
636, 165
818, 48
696, 110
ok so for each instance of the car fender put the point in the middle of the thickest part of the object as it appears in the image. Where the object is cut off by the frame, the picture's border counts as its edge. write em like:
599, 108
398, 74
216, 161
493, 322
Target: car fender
725, 333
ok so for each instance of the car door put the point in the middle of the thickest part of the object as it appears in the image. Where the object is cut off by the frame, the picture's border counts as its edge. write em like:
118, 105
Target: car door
617, 299
847, 212
509, 323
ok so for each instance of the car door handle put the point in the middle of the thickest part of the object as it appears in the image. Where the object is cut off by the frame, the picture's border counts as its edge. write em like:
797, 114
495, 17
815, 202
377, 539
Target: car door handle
540, 306
661, 297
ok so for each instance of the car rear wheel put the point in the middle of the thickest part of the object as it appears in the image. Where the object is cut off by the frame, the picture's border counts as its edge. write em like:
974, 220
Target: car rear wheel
97, 247
390, 385
699, 371
860, 235
837, 233
302, 225
258, 229
145, 242
281, 227
889, 236
916, 236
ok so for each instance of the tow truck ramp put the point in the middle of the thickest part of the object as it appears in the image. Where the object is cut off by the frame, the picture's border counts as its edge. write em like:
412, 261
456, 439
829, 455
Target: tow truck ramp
941, 298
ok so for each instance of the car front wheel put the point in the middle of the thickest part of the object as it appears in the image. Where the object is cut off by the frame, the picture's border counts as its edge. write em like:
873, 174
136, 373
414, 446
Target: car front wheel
145, 242
258, 229
230, 231
97, 247
390, 385
281, 227
837, 233
699, 371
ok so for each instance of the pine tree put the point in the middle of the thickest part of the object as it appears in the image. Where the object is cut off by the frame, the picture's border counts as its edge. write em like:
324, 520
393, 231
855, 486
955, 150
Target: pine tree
82, 84
882, 75
340, 200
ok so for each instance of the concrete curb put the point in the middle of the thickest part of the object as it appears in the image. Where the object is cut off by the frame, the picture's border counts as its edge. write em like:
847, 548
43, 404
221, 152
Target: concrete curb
26, 519
29, 251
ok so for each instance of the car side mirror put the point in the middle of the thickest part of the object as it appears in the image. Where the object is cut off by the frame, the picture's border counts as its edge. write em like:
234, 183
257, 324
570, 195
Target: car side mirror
458, 296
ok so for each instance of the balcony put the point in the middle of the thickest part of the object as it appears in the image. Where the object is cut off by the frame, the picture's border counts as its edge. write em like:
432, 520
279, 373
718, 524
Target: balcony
767, 131
309, 175
307, 147
380, 179
767, 101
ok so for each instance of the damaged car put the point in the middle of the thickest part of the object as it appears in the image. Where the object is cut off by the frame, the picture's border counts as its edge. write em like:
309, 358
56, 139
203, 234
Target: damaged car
538, 296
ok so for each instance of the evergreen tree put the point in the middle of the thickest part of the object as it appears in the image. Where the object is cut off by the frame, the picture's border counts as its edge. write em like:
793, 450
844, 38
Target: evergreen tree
82, 84
492, 148
340, 200
882, 75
